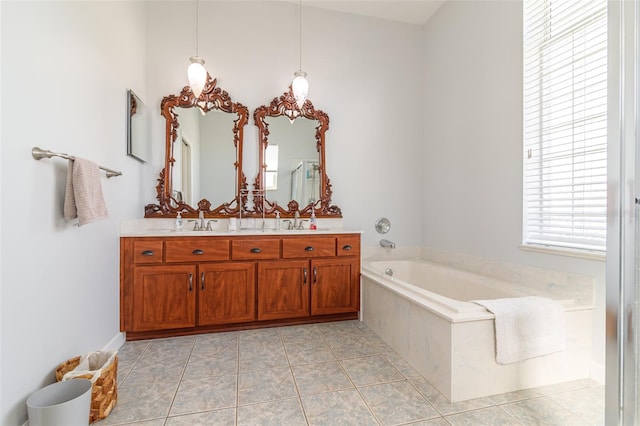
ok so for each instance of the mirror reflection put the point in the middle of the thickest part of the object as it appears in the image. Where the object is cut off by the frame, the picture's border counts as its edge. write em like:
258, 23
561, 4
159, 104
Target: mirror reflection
292, 177
292, 163
203, 155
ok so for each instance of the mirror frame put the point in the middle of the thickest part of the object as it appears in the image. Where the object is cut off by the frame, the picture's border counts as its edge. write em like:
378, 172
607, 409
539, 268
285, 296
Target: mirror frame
212, 98
285, 105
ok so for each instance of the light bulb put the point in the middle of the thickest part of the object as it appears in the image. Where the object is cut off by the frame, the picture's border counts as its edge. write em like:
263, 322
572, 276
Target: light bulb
197, 75
300, 88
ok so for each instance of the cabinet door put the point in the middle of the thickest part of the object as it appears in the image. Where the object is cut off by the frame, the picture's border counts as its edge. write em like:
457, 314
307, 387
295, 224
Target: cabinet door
164, 297
227, 293
334, 286
283, 289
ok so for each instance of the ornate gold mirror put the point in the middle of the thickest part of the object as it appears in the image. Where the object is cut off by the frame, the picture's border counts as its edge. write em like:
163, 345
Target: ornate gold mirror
203, 155
292, 174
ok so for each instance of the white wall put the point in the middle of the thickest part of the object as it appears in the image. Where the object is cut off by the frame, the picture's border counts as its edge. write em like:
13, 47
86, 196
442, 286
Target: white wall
473, 145
71, 64
365, 73
66, 68
217, 158
444, 166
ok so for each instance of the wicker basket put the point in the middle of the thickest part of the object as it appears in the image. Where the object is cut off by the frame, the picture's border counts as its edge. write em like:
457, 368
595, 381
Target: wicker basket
104, 393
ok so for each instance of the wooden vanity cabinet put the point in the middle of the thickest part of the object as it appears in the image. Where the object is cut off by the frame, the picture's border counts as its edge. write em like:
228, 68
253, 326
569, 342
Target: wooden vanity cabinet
184, 285
227, 293
335, 286
283, 289
317, 276
164, 297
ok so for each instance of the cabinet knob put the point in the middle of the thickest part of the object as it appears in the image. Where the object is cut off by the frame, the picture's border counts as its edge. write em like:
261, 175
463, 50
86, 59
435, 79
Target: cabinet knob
309, 248
148, 253
202, 280
198, 252
190, 282
255, 250
304, 273
315, 275
347, 247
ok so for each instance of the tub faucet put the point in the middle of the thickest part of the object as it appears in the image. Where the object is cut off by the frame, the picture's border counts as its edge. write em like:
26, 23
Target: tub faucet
387, 244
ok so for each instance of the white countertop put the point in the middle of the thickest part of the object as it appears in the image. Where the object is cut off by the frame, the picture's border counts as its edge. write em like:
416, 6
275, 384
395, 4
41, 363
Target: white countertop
166, 228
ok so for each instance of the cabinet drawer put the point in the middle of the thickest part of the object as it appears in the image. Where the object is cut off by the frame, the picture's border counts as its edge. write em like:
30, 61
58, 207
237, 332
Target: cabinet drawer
255, 249
145, 251
196, 250
348, 245
308, 247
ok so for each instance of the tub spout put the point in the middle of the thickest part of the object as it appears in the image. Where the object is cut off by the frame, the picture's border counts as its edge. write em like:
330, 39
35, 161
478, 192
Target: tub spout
387, 244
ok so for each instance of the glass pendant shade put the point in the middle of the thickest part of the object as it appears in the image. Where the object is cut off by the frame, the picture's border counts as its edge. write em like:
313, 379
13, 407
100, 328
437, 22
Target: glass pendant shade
197, 75
300, 88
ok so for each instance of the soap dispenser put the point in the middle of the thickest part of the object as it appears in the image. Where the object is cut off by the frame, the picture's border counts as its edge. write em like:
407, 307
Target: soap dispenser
312, 222
277, 220
179, 224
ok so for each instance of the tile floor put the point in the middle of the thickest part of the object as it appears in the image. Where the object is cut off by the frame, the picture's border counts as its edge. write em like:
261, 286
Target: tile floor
336, 373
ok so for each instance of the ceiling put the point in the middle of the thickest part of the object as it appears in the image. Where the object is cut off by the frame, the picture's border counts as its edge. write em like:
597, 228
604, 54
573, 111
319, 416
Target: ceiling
412, 11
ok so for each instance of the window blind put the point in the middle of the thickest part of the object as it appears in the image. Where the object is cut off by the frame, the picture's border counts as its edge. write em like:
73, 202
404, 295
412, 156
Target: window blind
565, 123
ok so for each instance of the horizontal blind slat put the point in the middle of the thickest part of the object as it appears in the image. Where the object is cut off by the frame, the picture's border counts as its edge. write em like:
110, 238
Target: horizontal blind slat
565, 122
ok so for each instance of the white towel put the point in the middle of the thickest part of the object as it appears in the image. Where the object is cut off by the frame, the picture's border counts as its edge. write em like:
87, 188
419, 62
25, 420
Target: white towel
83, 194
526, 327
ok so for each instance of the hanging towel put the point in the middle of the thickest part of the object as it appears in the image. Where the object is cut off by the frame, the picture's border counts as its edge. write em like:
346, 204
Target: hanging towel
83, 194
526, 327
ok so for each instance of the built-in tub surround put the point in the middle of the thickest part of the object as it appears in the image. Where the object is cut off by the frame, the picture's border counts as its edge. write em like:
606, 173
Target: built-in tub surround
425, 314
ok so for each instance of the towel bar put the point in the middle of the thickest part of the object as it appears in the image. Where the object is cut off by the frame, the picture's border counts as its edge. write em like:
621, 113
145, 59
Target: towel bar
39, 154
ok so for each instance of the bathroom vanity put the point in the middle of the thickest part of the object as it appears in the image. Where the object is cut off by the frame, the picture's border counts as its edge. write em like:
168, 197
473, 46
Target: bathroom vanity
214, 277
172, 285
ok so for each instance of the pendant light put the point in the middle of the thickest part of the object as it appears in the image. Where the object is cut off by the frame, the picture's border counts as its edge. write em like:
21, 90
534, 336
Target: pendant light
196, 73
300, 85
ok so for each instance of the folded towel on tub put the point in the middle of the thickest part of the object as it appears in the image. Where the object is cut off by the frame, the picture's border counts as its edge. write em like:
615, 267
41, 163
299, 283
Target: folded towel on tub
526, 327
83, 193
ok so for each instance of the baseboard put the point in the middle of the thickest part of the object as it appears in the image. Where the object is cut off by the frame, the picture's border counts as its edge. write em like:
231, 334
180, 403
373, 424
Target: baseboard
598, 372
115, 343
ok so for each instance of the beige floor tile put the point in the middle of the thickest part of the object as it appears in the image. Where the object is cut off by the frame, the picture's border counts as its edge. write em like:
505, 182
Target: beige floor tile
305, 375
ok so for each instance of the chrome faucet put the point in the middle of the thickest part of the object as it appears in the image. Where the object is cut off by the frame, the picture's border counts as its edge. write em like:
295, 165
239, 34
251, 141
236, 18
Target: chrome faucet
209, 227
387, 244
201, 219
296, 219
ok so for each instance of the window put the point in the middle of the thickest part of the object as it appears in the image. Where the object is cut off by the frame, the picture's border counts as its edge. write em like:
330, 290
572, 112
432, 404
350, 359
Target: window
565, 123
271, 174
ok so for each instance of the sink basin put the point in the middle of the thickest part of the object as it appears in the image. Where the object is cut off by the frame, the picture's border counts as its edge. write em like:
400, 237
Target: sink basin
297, 231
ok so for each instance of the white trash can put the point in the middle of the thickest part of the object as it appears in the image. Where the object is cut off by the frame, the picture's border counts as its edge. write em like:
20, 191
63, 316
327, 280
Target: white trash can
66, 403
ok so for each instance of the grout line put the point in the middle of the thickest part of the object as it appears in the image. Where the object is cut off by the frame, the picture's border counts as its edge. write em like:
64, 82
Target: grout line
324, 334
293, 377
357, 389
237, 336
180, 381
508, 414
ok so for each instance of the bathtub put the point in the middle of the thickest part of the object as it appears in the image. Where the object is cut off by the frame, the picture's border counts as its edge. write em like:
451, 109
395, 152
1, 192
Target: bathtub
424, 312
